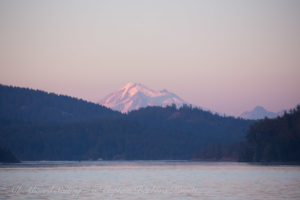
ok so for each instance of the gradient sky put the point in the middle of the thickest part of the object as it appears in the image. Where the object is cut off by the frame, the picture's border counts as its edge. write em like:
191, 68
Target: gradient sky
228, 56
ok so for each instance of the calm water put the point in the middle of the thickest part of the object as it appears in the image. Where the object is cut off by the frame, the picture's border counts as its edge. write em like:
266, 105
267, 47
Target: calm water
148, 180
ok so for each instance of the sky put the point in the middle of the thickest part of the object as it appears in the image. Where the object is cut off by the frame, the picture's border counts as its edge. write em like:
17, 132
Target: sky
227, 56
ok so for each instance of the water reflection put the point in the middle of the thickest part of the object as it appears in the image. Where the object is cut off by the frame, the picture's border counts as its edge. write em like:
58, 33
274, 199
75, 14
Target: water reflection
148, 180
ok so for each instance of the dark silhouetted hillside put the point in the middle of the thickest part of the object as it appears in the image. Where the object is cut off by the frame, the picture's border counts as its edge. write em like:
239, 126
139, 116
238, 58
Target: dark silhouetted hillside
274, 140
207, 126
25, 104
6, 156
36, 125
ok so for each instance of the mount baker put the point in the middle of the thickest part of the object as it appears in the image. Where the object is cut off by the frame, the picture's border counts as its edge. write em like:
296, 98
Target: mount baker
134, 96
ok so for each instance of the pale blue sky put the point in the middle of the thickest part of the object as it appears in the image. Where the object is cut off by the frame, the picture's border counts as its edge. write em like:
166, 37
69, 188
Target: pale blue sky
228, 56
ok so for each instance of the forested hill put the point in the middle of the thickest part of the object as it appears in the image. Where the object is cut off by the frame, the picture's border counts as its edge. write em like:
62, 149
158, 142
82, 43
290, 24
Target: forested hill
274, 140
36, 125
25, 104
206, 125
6, 156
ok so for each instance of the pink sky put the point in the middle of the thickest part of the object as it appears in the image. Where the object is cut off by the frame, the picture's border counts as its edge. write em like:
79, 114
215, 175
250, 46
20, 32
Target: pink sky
228, 56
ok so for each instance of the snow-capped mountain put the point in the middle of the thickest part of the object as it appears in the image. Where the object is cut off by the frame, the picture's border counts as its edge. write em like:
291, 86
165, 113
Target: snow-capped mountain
258, 112
134, 96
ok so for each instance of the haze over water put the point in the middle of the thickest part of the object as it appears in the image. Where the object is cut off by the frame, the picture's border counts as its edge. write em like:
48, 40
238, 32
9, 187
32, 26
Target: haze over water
148, 180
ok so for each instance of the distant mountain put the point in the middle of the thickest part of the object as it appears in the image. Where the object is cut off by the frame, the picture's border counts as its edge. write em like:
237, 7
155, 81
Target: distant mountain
274, 140
23, 104
258, 112
134, 96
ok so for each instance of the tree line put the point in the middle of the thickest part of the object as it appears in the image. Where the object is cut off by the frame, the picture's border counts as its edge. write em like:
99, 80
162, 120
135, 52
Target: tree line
36, 125
274, 140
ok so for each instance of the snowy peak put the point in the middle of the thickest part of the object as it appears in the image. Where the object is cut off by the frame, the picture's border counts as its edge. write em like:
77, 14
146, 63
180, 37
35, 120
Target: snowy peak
134, 96
258, 112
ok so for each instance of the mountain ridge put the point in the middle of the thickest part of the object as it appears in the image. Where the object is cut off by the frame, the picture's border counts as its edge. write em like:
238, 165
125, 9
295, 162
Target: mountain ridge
37, 125
17, 103
257, 113
135, 95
